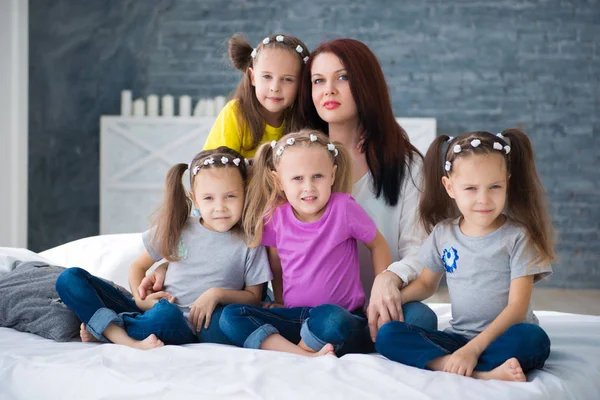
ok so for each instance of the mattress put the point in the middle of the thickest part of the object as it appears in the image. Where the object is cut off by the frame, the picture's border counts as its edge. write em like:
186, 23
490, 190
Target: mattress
32, 367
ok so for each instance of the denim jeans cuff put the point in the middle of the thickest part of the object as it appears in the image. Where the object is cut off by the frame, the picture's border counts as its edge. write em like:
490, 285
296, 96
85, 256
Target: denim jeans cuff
100, 320
259, 335
312, 341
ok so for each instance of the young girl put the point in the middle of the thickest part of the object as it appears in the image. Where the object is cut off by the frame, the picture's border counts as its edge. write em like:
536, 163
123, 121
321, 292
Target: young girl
298, 205
493, 239
264, 104
210, 264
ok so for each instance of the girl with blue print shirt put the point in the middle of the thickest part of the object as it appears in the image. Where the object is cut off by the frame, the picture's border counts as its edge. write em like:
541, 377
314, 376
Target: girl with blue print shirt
210, 264
492, 237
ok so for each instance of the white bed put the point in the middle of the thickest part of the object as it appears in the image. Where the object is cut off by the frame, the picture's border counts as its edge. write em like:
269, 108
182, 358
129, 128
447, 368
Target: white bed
35, 368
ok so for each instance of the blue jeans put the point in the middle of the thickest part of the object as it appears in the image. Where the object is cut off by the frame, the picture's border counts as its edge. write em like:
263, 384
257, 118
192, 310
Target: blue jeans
348, 332
414, 346
99, 303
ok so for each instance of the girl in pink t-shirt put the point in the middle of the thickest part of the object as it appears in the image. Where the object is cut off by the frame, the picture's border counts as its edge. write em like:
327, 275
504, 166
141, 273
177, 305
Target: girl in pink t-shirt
298, 205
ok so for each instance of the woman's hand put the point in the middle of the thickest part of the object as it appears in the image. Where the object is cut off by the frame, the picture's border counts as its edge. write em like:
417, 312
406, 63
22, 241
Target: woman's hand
201, 310
153, 282
386, 302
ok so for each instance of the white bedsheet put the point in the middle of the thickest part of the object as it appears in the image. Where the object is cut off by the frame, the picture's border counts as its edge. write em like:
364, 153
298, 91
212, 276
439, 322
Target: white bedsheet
35, 368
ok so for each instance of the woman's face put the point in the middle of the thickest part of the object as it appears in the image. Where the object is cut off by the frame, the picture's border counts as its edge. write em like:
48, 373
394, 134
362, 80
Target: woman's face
331, 92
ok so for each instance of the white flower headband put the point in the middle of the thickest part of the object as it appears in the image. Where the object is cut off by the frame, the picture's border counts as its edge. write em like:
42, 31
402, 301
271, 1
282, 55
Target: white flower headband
279, 38
291, 141
474, 143
210, 161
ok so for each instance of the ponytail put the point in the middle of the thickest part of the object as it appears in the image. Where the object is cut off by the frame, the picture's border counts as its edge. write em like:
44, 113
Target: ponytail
435, 205
263, 195
172, 215
526, 198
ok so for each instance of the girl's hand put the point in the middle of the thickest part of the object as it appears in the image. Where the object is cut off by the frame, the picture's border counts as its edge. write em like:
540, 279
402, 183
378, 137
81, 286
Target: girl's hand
274, 304
201, 310
386, 302
153, 282
462, 361
152, 299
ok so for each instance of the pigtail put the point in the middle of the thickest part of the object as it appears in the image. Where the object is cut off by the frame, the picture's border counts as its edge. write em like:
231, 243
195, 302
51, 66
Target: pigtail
526, 199
343, 173
263, 195
172, 215
239, 52
435, 204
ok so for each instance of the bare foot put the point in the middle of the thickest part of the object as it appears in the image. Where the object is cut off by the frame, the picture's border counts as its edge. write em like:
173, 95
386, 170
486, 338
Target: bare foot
151, 342
509, 371
85, 335
325, 350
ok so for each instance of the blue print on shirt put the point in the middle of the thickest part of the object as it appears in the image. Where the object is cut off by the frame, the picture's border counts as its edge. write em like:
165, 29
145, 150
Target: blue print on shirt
449, 258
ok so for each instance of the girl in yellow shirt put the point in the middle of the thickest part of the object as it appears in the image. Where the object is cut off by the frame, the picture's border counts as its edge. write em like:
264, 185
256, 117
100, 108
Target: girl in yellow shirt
262, 108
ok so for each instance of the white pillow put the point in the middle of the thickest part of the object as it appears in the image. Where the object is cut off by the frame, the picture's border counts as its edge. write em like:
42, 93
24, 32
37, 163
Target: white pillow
106, 256
10, 255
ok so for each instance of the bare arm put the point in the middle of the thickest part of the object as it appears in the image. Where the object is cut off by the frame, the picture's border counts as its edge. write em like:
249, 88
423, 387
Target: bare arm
423, 287
202, 309
380, 253
515, 312
277, 281
137, 272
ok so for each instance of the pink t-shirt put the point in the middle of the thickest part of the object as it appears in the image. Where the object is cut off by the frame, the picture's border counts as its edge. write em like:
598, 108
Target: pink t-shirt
319, 259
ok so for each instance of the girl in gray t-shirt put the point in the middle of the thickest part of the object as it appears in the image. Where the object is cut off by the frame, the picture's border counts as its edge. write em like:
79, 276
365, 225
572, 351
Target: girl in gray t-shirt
491, 235
210, 264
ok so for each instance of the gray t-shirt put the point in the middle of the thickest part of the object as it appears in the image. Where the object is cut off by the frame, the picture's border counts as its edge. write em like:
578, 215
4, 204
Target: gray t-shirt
210, 259
479, 271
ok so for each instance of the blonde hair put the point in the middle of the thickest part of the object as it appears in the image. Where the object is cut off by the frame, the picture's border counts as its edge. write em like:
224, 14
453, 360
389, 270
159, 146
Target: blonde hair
525, 196
169, 220
264, 194
249, 111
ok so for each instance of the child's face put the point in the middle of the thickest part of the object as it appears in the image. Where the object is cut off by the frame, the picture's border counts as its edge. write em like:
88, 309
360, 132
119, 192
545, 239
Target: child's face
275, 78
218, 194
331, 92
306, 175
478, 184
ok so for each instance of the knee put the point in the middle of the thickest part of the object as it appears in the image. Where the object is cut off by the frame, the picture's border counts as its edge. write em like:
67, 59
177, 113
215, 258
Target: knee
331, 323
419, 314
165, 312
228, 315
70, 279
531, 336
388, 336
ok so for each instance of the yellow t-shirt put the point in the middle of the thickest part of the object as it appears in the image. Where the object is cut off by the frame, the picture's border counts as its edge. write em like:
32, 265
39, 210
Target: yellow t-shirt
225, 132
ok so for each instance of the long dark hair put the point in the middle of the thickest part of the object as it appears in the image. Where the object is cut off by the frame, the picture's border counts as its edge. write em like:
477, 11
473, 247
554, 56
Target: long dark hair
387, 148
249, 110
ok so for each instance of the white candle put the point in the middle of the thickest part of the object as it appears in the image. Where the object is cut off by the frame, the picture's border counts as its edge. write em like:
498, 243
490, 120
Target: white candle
199, 109
126, 103
185, 106
220, 102
139, 108
167, 105
152, 105
210, 108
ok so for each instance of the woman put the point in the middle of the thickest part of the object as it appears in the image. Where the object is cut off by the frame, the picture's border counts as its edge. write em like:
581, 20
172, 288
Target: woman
344, 94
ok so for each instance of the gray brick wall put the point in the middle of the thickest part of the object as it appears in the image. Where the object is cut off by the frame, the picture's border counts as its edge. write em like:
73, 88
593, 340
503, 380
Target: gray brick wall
470, 64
